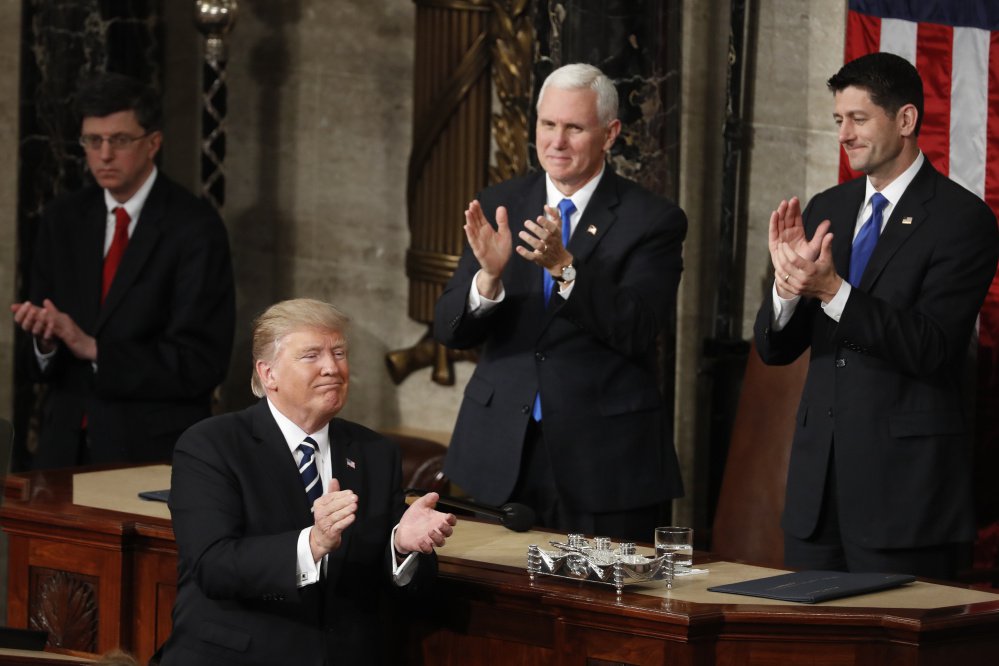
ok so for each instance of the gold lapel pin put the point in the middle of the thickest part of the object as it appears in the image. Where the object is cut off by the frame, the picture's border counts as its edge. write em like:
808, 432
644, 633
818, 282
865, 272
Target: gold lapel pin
906, 220
592, 230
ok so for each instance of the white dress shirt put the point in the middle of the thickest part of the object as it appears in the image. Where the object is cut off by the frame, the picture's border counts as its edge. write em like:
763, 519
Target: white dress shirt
307, 570
783, 308
478, 304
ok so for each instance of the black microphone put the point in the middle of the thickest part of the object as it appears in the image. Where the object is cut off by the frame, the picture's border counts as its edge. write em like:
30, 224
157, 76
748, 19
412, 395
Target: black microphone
513, 516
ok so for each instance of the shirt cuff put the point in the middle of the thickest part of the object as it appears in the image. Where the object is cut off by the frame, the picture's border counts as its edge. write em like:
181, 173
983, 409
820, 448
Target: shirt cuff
403, 572
43, 359
783, 309
834, 308
306, 569
479, 305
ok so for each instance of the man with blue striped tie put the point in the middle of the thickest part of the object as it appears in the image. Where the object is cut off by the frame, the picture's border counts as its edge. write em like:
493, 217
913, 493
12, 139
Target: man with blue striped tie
272, 570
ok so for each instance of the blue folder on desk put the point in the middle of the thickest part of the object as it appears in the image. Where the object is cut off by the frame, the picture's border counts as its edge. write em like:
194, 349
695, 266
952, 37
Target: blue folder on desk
809, 587
156, 495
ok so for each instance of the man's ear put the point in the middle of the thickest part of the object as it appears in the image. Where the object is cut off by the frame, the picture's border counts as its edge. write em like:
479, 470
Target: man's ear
266, 374
613, 129
907, 117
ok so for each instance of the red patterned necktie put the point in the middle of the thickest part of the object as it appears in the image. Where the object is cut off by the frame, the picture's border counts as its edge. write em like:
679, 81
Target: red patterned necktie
117, 249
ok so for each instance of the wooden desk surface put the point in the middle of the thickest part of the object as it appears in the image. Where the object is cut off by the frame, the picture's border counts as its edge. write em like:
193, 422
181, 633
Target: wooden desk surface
490, 605
484, 543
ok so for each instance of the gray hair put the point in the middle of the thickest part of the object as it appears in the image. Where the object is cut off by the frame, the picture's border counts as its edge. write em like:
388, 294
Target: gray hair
579, 76
287, 317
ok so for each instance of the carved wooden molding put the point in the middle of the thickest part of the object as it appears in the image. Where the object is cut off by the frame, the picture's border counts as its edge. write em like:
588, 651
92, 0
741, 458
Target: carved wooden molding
65, 605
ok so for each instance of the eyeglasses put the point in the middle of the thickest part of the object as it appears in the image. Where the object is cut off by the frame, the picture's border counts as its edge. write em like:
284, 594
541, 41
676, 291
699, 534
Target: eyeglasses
116, 141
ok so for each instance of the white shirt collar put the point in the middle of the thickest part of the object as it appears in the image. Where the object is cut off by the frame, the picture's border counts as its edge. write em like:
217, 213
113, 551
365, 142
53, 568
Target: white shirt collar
293, 435
893, 191
134, 205
580, 199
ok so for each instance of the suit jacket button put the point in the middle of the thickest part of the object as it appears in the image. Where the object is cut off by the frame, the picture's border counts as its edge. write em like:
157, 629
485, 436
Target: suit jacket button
539, 356
525, 409
830, 412
841, 363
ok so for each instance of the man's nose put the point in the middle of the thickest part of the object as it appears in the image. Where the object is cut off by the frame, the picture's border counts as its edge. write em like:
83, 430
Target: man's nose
845, 131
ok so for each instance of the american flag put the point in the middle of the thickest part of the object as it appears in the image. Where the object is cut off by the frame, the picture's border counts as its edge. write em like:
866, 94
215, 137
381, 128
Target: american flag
955, 46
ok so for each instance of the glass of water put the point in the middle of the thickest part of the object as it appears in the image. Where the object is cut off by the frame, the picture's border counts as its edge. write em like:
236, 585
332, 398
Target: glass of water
679, 541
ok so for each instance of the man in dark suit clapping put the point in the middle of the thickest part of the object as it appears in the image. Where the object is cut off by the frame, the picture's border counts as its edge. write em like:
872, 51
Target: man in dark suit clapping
880, 279
272, 570
132, 302
563, 412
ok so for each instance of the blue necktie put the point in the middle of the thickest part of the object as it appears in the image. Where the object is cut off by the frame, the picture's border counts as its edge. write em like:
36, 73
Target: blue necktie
307, 468
565, 208
863, 244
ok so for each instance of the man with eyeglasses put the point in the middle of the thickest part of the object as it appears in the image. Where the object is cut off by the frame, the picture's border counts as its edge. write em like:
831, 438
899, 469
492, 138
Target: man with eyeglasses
132, 305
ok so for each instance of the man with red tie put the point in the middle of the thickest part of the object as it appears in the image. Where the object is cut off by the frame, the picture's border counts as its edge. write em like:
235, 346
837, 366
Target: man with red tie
132, 304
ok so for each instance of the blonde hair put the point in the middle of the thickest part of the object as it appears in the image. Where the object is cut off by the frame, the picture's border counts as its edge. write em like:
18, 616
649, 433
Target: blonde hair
286, 317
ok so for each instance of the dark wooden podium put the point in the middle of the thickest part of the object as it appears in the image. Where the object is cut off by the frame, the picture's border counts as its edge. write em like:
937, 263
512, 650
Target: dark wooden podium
94, 578
98, 578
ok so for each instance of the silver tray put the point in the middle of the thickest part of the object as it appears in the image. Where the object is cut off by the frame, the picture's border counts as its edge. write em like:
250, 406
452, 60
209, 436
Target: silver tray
599, 562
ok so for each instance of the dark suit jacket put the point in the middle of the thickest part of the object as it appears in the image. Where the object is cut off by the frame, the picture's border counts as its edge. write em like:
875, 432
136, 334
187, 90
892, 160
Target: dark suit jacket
885, 382
238, 506
164, 333
593, 356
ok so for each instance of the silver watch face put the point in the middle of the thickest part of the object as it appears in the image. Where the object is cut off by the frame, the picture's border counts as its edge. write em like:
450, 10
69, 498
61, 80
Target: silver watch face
568, 273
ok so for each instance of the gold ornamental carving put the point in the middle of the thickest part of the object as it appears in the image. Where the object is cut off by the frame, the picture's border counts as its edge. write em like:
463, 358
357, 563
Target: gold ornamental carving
513, 51
472, 91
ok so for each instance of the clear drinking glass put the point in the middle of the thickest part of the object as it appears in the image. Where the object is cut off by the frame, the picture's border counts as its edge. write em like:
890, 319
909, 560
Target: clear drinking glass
676, 540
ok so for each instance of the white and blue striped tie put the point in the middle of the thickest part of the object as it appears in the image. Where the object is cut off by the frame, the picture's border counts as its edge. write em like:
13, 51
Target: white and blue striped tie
309, 471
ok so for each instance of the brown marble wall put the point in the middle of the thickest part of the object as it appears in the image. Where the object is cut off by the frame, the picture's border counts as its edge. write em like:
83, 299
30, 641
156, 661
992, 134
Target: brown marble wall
637, 44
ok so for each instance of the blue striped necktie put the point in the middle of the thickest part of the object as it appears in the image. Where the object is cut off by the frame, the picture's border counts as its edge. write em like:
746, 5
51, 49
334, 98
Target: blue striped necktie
309, 470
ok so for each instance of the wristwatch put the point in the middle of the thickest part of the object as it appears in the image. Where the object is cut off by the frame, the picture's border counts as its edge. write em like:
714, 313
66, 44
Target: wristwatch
568, 274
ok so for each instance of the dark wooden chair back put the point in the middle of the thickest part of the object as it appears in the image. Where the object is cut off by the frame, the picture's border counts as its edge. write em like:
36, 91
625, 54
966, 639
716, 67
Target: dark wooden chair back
422, 463
747, 520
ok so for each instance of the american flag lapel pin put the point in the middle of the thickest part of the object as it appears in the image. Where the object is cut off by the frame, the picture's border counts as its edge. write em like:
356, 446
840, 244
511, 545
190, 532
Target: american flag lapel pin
592, 230
906, 220
351, 464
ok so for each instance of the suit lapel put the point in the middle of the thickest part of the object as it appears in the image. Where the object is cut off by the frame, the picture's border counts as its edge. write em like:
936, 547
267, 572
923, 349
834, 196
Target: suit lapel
906, 218
91, 239
523, 272
597, 219
347, 466
274, 456
140, 246
844, 223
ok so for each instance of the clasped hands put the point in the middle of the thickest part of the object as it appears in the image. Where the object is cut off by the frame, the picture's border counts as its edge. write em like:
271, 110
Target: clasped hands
420, 529
802, 266
492, 247
49, 325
